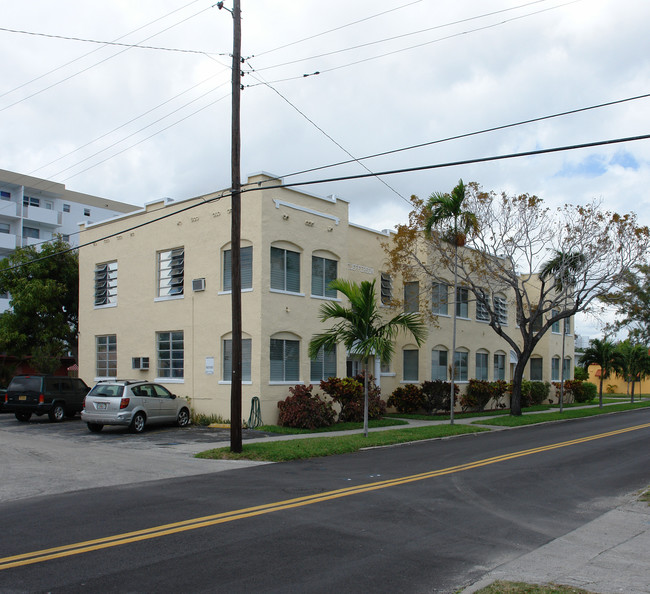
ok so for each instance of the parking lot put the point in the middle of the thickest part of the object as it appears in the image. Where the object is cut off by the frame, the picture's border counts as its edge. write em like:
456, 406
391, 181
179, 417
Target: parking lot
41, 458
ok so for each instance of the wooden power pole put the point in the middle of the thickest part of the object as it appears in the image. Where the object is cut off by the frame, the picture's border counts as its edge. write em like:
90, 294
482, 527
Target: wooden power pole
235, 236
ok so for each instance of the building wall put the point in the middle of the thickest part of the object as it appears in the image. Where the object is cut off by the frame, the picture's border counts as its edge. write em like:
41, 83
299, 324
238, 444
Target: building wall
34, 210
282, 218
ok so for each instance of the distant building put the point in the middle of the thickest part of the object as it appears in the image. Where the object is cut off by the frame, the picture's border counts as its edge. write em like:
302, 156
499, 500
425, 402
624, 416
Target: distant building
155, 302
34, 210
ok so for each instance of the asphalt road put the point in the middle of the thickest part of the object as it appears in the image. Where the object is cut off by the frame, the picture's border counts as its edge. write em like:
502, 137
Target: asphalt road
425, 517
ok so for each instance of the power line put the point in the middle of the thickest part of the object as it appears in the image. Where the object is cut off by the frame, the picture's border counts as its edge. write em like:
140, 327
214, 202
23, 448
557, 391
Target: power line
115, 43
419, 45
100, 62
387, 39
95, 50
227, 193
328, 136
339, 28
469, 134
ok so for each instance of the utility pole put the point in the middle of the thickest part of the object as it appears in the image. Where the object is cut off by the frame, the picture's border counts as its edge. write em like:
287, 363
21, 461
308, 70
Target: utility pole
235, 236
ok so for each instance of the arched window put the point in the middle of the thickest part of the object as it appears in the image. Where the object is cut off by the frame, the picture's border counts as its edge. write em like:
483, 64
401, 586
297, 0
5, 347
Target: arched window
482, 357
439, 363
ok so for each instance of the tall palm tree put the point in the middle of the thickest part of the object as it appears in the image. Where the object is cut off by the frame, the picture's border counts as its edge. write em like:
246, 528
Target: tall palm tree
603, 353
362, 329
454, 223
563, 267
632, 362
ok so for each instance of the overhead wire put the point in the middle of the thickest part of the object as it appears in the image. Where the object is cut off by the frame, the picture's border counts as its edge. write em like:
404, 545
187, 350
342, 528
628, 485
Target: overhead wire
393, 38
332, 139
67, 78
96, 49
259, 185
417, 46
470, 134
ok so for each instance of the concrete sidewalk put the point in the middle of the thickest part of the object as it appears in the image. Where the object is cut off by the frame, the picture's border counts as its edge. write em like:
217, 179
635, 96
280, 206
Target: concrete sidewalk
608, 555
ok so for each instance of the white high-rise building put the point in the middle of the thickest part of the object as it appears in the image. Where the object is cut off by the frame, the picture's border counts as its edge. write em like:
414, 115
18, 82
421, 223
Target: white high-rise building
34, 210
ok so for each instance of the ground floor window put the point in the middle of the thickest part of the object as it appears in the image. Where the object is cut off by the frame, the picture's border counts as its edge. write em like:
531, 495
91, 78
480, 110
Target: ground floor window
439, 364
106, 355
410, 369
171, 351
481, 366
285, 360
323, 366
499, 366
536, 369
461, 366
245, 360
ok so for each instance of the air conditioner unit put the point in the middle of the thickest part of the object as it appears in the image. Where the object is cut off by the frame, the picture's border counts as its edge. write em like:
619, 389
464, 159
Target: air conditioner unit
198, 284
139, 362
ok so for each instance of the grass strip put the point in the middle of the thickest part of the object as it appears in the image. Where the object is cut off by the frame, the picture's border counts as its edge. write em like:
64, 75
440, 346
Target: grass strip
501, 587
335, 427
467, 415
558, 416
314, 447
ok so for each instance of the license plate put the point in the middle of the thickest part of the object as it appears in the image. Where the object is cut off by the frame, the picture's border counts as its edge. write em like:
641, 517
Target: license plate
22, 397
101, 406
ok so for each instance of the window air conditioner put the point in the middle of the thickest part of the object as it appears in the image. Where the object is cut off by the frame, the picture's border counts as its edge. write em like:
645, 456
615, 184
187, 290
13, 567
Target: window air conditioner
139, 362
198, 284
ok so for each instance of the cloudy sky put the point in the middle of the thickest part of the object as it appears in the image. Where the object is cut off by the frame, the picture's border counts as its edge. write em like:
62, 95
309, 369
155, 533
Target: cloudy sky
136, 124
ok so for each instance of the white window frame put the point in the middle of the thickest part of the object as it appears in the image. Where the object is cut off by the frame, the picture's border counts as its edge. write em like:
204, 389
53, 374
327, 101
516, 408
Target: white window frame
106, 344
483, 365
409, 366
282, 287
440, 299
320, 279
106, 275
289, 348
246, 262
170, 271
437, 367
167, 368
226, 360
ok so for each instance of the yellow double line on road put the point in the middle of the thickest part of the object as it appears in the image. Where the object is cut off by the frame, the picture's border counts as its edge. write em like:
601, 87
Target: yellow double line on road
249, 512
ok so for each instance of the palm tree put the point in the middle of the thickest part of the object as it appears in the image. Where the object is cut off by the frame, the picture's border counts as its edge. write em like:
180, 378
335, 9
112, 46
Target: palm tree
563, 267
632, 362
447, 214
362, 330
603, 353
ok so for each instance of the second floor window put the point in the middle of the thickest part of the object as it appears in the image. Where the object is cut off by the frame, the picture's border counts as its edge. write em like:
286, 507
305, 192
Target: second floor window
323, 272
386, 288
440, 299
462, 302
171, 272
106, 284
285, 270
412, 297
246, 256
481, 308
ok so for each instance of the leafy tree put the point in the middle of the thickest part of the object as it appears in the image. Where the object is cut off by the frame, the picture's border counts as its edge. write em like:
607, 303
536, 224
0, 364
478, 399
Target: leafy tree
602, 353
514, 236
446, 213
44, 289
632, 363
632, 304
362, 330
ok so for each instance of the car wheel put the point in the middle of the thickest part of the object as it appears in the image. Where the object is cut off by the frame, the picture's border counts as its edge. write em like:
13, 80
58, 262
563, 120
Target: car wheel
23, 417
183, 419
57, 413
138, 422
95, 427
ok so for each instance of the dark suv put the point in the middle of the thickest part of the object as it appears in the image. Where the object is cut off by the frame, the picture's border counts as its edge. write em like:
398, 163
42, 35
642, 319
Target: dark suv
58, 396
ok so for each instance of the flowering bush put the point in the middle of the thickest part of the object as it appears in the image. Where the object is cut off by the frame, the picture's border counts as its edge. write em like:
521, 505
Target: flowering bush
407, 399
305, 410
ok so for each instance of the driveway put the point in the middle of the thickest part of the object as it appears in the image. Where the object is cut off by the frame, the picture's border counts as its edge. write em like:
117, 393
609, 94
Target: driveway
43, 458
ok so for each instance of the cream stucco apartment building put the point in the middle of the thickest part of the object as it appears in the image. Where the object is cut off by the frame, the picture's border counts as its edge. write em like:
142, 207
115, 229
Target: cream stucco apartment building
155, 301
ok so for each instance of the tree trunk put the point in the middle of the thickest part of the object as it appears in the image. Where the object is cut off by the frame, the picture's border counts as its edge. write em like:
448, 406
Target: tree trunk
365, 400
632, 392
600, 395
515, 397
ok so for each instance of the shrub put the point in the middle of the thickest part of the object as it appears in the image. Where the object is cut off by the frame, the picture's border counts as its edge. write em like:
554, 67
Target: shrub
407, 398
580, 373
534, 392
610, 389
590, 391
305, 410
477, 395
348, 393
436, 396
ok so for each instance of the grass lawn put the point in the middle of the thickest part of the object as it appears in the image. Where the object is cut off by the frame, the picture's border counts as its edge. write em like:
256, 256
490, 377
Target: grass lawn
522, 588
387, 422
313, 447
558, 416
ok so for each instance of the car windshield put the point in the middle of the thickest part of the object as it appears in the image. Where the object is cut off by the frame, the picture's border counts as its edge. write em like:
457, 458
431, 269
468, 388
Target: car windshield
25, 383
107, 390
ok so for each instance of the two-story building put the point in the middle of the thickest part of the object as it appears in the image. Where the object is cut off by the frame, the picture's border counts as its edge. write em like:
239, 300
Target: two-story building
155, 300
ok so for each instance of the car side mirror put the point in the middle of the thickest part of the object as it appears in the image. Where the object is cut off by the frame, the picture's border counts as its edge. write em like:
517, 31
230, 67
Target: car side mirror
173, 396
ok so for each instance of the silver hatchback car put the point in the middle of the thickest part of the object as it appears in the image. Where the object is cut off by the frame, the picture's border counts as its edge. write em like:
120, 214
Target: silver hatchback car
132, 403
